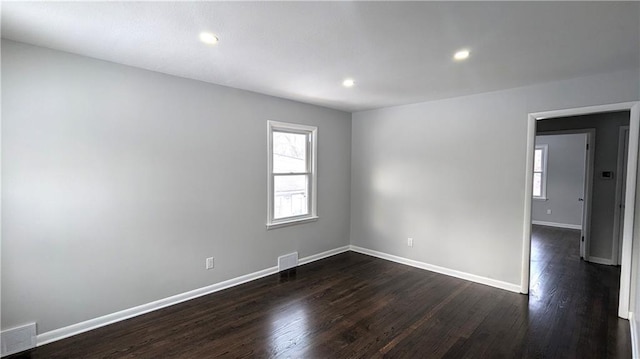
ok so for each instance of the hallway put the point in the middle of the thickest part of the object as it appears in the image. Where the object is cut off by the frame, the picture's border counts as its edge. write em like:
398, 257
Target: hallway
564, 291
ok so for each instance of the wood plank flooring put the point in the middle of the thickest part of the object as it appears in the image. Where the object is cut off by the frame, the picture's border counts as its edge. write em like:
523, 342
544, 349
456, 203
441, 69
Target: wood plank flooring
355, 306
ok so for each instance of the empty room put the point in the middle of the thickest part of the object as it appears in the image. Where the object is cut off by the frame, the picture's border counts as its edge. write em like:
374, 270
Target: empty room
320, 179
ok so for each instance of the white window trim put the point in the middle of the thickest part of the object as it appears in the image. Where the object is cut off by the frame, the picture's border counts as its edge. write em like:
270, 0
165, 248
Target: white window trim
312, 171
545, 157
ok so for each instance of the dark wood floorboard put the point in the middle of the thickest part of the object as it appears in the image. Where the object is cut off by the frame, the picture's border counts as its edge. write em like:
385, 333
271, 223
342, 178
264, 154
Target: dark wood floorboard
355, 306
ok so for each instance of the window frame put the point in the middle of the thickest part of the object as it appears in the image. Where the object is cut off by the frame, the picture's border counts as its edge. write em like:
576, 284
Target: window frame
543, 177
312, 173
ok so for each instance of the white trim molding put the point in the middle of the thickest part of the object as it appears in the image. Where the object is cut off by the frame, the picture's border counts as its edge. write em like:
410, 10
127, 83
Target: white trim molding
598, 260
323, 255
310, 171
78, 328
626, 288
633, 327
442, 270
558, 225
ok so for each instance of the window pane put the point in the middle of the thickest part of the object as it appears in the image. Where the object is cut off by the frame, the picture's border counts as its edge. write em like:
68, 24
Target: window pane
289, 152
290, 196
537, 184
537, 161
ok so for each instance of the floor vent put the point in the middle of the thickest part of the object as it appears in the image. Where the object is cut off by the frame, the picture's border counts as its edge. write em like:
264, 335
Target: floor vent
18, 339
288, 261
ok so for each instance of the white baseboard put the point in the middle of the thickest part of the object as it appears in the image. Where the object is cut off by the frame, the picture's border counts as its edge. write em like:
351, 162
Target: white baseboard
633, 326
446, 271
74, 329
323, 255
598, 260
95, 323
592, 259
559, 225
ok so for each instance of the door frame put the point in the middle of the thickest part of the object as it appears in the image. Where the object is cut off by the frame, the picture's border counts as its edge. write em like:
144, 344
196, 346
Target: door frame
587, 186
630, 193
615, 250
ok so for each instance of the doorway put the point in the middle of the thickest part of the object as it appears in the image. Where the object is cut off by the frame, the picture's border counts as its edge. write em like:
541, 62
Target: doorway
567, 164
627, 233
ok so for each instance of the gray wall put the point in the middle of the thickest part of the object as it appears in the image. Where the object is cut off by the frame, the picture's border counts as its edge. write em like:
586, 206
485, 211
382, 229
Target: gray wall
603, 204
565, 180
451, 173
118, 182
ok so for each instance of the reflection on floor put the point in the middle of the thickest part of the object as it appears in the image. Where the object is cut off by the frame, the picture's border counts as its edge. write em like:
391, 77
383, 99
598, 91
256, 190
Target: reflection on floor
355, 306
573, 299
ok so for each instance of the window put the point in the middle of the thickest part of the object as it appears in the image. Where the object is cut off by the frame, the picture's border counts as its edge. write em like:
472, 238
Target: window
540, 172
292, 174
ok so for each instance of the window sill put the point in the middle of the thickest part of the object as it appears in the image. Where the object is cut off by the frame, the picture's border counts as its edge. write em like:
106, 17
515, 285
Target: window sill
540, 199
291, 222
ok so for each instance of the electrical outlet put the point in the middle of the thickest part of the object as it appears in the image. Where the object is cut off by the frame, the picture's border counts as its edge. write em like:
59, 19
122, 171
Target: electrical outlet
548, 211
209, 263
410, 242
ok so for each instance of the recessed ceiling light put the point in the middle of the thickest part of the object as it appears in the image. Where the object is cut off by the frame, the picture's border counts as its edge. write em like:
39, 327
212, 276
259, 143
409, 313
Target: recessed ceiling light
348, 83
461, 55
208, 38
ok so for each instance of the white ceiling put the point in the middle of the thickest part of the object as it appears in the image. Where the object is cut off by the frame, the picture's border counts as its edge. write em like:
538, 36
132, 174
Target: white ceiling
398, 52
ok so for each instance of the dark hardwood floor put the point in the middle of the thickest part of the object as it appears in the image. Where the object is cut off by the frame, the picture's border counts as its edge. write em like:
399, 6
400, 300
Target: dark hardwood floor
355, 306
571, 296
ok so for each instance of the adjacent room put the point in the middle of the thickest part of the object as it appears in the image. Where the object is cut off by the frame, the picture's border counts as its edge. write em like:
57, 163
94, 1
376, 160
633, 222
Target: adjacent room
577, 213
319, 179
